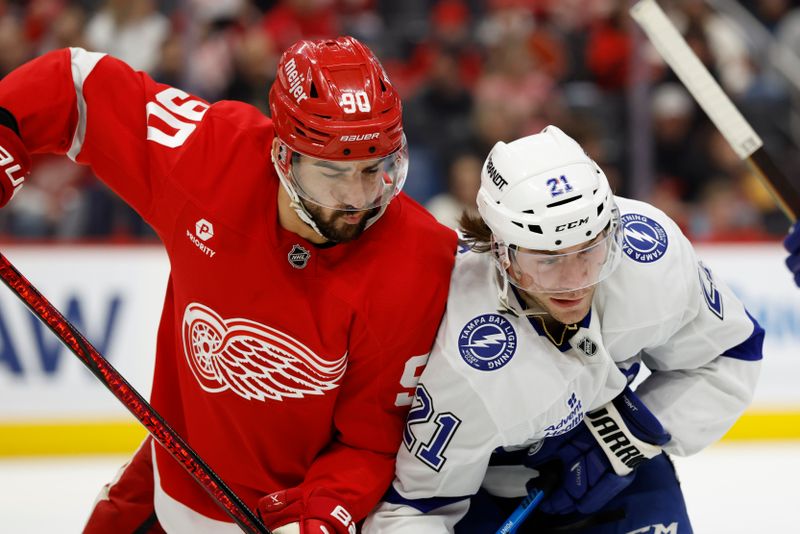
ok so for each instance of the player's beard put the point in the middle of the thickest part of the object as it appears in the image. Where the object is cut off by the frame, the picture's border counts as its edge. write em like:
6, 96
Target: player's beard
333, 227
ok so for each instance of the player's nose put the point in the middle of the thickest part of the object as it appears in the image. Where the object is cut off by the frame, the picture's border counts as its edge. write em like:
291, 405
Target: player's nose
354, 196
574, 272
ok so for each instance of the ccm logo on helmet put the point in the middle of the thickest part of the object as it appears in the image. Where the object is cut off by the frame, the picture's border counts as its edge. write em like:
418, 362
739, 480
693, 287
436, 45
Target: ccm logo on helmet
573, 224
497, 178
295, 80
361, 137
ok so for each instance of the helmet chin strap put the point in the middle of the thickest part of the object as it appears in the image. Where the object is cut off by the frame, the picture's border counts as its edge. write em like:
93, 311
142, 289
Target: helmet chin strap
506, 303
295, 203
501, 261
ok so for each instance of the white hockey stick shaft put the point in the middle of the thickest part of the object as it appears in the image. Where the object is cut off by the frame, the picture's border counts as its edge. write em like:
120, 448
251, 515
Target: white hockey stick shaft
720, 109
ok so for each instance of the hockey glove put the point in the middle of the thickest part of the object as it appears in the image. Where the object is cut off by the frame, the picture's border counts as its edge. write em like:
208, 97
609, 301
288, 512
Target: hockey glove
792, 244
15, 164
599, 456
293, 511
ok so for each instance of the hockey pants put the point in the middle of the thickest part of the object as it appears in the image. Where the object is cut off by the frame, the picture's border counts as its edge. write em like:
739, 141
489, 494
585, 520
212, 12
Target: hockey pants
652, 504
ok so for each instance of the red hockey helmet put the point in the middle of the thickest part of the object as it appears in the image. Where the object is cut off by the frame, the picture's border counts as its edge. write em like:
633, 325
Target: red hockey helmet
338, 129
332, 100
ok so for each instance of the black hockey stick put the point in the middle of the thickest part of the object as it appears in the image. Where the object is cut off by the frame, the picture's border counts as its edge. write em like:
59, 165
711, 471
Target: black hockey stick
723, 113
133, 401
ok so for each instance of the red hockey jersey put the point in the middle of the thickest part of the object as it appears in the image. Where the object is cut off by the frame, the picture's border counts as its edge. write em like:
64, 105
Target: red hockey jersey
281, 363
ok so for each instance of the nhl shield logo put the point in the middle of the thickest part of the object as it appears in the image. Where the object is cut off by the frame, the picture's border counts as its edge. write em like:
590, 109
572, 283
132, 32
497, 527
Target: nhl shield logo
298, 257
588, 346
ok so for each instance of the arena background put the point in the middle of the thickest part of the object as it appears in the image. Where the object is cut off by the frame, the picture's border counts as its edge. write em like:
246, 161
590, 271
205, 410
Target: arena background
470, 73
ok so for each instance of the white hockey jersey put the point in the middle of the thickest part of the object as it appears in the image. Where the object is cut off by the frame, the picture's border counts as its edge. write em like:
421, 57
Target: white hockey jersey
494, 380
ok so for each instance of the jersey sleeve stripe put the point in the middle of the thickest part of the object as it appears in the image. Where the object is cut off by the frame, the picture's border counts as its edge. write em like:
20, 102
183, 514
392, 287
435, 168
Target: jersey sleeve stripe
83, 63
751, 349
423, 505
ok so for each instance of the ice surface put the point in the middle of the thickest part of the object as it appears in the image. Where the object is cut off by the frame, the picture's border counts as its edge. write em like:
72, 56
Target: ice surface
734, 488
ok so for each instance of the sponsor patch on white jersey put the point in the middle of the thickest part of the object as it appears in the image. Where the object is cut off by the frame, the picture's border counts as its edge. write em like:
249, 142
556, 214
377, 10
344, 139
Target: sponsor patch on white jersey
487, 342
569, 421
645, 240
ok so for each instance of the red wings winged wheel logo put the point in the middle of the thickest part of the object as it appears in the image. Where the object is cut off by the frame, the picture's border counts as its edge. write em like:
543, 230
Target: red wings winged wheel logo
253, 360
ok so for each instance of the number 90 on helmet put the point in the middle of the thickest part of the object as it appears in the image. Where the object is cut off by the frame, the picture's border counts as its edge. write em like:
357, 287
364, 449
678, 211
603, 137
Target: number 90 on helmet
555, 225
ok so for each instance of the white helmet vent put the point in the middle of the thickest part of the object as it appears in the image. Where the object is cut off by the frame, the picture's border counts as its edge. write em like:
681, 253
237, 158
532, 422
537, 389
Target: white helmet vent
535, 228
562, 202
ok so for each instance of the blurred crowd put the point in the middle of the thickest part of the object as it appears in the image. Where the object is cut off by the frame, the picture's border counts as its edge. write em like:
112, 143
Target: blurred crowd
471, 72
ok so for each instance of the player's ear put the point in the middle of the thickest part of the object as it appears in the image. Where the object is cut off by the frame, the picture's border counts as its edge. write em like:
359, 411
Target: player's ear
275, 150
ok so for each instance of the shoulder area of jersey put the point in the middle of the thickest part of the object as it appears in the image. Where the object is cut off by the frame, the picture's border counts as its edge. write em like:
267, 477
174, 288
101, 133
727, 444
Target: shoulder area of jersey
472, 266
239, 114
494, 358
232, 127
411, 230
648, 234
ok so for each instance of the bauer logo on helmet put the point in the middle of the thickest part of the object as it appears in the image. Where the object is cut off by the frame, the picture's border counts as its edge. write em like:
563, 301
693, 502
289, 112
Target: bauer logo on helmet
361, 137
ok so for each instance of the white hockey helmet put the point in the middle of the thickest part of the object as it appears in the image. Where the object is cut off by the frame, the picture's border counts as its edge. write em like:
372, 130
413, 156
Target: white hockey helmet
541, 194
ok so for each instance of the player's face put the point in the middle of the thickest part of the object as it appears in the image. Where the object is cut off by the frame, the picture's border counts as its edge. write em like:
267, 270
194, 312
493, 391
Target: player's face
352, 186
560, 272
341, 196
339, 226
562, 282
567, 308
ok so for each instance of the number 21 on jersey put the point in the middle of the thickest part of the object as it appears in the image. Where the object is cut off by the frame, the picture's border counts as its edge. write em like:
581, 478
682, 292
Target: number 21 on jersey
431, 453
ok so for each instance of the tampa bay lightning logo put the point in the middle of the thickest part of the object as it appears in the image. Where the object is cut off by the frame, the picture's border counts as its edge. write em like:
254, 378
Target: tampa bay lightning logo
645, 240
487, 342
